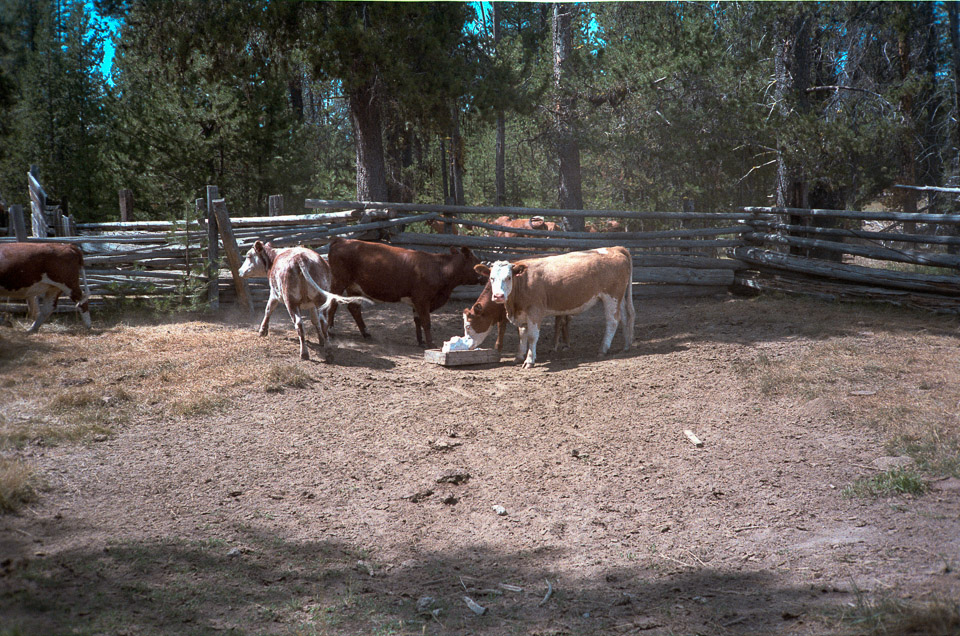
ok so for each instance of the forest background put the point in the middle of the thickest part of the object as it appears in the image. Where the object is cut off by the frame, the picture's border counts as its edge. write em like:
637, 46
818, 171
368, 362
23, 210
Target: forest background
630, 106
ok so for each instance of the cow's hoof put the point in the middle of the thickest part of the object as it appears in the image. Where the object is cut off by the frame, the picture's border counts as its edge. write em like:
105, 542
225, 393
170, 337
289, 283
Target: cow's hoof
366, 335
262, 334
527, 365
304, 356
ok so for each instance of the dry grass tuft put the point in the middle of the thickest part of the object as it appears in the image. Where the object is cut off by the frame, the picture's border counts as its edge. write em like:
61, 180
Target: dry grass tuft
280, 376
894, 617
18, 484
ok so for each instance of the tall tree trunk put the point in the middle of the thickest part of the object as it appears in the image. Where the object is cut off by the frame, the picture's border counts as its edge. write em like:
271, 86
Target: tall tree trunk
568, 149
443, 172
501, 181
371, 171
953, 12
456, 159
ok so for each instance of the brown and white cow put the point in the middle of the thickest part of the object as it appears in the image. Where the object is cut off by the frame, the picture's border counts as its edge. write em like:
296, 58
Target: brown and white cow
565, 285
301, 279
394, 274
479, 319
533, 223
43, 271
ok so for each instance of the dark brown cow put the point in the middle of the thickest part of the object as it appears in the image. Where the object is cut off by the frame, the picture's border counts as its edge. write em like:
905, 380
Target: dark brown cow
533, 223
300, 278
394, 274
30, 271
478, 322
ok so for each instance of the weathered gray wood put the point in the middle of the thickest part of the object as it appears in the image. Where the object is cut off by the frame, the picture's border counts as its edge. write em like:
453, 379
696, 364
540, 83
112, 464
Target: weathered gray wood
612, 236
126, 205
213, 252
949, 285
513, 211
409, 238
694, 262
234, 259
874, 252
460, 358
866, 235
943, 219
683, 276
275, 205
15, 214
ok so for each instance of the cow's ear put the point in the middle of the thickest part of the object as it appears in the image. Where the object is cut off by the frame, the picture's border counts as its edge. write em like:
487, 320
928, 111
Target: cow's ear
518, 270
258, 247
482, 269
466, 251
477, 308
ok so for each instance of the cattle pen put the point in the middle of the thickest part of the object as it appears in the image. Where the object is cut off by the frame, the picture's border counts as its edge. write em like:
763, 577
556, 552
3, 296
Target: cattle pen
906, 259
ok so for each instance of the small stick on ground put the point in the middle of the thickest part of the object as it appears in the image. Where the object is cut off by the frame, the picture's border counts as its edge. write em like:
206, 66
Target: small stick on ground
548, 595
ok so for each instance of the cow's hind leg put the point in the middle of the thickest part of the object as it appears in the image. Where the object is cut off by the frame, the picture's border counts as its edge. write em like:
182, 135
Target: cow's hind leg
421, 320
320, 323
298, 324
628, 317
611, 317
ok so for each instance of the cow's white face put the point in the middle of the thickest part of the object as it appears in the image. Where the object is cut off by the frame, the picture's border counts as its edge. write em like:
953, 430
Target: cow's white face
501, 281
253, 266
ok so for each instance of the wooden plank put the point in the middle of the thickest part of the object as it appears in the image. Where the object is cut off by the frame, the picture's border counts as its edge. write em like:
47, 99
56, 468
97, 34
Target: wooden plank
683, 276
234, 260
949, 285
943, 219
514, 211
867, 251
461, 358
15, 214
461, 240
275, 205
864, 235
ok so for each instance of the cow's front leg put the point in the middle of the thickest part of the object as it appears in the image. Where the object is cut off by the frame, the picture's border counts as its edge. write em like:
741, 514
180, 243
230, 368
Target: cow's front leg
421, 319
522, 346
46, 304
272, 303
533, 334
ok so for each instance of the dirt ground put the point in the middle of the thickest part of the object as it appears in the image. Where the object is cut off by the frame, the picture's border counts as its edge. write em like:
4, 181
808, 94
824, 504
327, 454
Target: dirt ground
241, 491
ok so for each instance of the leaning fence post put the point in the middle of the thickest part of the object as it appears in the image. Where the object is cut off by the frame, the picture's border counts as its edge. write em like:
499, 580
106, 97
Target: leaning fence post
232, 252
213, 252
16, 222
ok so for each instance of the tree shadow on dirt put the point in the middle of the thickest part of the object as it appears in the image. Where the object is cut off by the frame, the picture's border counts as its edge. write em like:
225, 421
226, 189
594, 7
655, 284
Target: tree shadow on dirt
260, 583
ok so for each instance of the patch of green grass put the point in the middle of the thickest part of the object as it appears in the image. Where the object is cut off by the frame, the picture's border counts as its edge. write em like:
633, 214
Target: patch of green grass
18, 484
281, 376
888, 616
936, 452
896, 481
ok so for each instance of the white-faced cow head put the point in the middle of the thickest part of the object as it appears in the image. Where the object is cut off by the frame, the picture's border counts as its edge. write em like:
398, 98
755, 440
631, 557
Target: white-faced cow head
258, 260
501, 275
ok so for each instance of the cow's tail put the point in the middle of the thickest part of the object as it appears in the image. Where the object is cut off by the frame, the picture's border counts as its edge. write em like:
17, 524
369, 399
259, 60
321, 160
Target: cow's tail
330, 296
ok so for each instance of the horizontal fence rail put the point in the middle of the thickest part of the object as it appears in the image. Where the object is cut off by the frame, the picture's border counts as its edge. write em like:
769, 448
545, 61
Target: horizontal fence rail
836, 254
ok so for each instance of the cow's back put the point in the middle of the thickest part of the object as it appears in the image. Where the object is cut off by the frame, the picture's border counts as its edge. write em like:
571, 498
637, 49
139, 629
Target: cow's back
565, 283
25, 264
382, 272
286, 274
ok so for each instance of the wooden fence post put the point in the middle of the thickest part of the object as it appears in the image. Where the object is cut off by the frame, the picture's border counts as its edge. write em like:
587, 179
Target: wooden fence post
276, 205
126, 204
233, 253
213, 251
16, 222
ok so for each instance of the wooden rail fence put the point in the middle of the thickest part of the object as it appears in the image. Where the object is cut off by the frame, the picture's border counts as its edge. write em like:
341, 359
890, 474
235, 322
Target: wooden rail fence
675, 254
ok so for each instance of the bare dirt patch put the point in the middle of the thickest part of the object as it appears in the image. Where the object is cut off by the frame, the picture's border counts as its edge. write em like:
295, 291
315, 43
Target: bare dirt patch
228, 487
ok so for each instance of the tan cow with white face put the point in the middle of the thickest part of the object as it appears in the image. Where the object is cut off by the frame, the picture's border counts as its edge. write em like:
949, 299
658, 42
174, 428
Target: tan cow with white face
564, 285
301, 279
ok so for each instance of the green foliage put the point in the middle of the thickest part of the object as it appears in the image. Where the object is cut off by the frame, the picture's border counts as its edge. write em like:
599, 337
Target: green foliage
676, 104
896, 481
